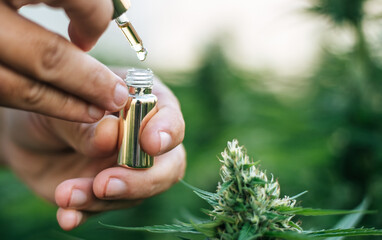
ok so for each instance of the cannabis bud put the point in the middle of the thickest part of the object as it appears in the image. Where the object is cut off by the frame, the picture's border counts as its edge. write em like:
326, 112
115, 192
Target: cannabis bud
247, 199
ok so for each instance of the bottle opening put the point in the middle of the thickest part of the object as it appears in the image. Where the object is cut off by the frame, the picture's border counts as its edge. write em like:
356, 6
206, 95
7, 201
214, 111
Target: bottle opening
139, 78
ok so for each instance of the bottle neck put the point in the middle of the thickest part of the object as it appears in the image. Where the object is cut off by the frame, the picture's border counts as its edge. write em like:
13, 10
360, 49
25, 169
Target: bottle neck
139, 81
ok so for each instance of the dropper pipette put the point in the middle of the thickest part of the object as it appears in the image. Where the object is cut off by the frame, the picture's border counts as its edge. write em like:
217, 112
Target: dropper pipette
132, 36
120, 16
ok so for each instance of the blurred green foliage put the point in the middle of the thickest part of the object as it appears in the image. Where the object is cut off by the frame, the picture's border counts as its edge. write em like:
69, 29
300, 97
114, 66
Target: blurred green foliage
322, 133
340, 11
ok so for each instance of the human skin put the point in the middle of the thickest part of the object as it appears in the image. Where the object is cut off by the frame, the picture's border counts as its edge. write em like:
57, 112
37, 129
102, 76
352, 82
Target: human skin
74, 164
42, 72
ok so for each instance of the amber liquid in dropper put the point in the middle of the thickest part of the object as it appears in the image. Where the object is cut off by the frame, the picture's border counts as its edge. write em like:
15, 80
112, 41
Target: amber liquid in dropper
134, 40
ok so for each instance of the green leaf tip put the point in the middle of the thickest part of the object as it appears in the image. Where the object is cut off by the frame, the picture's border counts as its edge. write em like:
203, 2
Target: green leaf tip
350, 232
319, 212
174, 228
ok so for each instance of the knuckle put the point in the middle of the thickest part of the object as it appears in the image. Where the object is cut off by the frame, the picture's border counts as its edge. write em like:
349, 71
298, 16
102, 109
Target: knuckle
69, 107
97, 75
34, 94
52, 56
101, 80
67, 103
132, 191
154, 186
149, 188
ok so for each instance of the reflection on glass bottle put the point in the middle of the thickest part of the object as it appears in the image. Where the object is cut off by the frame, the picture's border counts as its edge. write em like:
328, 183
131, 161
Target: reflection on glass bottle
134, 116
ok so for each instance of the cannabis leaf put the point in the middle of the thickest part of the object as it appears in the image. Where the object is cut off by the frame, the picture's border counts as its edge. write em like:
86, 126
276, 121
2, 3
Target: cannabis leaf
175, 228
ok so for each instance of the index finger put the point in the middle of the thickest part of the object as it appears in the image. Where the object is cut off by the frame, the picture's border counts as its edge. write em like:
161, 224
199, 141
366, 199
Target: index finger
88, 19
50, 58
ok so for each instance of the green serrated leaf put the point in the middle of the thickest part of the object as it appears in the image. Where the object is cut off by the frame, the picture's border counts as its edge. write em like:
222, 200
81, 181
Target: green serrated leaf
199, 190
175, 228
247, 232
351, 220
208, 224
288, 235
225, 186
183, 238
316, 211
208, 199
207, 228
350, 232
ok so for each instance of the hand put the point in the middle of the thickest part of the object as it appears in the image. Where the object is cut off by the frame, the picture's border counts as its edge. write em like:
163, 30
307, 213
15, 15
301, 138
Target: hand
43, 72
74, 164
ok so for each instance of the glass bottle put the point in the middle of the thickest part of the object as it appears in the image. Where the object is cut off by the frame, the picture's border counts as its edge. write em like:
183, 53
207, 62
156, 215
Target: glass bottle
133, 118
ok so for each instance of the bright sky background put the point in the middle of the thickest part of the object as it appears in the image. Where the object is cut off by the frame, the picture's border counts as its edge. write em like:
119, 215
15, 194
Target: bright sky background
276, 35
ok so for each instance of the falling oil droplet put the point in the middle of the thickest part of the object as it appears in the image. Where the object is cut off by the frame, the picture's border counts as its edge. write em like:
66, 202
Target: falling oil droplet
142, 54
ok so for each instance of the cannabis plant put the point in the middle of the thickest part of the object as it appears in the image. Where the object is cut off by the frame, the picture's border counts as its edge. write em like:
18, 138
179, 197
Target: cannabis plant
247, 205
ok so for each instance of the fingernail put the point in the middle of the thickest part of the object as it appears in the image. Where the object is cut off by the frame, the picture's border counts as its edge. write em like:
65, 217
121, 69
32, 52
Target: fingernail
78, 198
70, 219
115, 187
95, 113
165, 141
120, 94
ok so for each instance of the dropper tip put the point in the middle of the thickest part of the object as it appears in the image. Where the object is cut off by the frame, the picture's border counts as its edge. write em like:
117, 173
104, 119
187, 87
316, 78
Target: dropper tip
142, 54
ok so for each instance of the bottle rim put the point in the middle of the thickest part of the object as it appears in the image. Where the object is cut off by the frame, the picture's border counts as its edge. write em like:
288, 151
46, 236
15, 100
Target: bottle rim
137, 77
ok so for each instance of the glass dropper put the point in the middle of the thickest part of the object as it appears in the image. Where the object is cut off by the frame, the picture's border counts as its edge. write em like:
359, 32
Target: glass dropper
120, 16
132, 36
